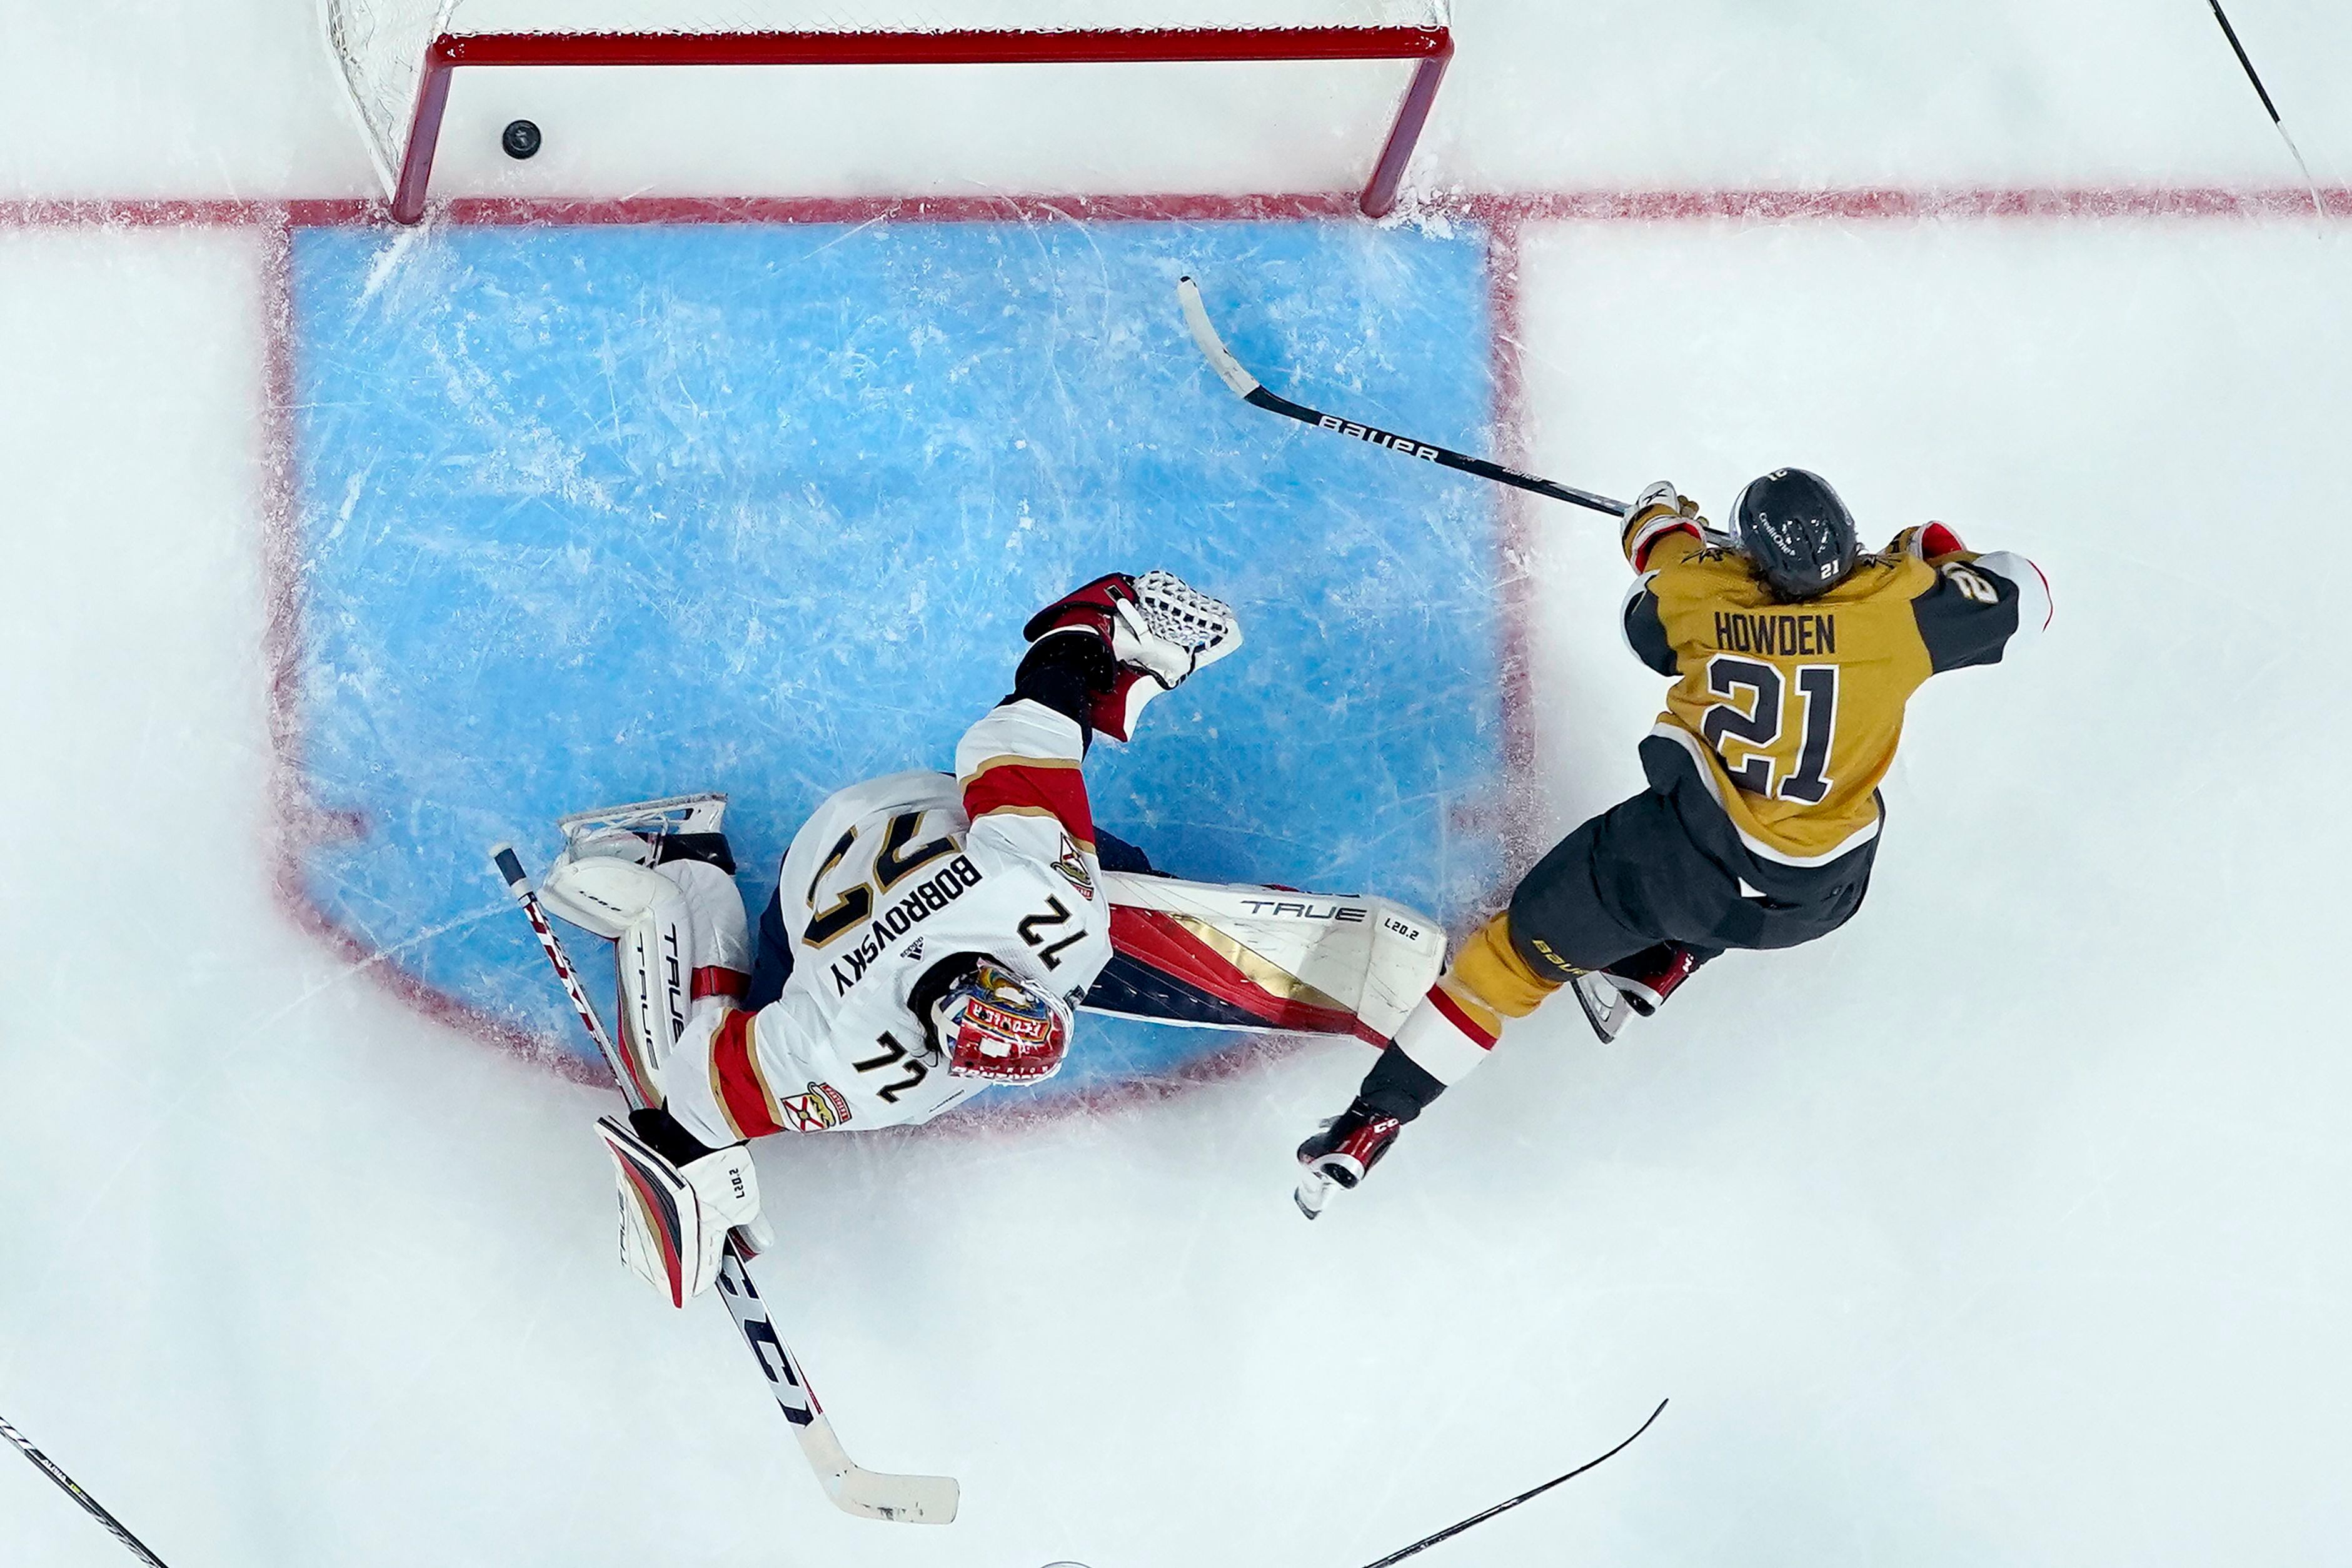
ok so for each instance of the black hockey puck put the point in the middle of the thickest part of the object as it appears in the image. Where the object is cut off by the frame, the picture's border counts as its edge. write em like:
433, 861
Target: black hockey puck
521, 138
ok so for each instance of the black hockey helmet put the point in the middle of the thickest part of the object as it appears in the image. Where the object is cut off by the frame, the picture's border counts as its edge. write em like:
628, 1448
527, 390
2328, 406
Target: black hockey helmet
1796, 531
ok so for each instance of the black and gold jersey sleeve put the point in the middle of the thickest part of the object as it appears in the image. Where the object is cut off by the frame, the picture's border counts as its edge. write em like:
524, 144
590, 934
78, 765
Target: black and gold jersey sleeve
1645, 628
1977, 606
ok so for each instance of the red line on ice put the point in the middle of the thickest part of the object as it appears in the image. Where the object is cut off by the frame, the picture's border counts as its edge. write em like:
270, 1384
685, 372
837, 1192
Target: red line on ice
1864, 204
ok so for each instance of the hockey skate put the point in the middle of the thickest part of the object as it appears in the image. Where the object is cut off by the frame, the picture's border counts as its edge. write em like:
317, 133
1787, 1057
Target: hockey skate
1348, 1146
1606, 1009
1640, 983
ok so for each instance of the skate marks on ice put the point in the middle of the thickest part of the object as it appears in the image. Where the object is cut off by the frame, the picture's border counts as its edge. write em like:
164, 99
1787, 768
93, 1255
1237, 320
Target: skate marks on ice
593, 513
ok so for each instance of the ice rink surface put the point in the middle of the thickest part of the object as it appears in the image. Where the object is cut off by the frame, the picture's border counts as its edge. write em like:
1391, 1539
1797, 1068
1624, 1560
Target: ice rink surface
2006, 1227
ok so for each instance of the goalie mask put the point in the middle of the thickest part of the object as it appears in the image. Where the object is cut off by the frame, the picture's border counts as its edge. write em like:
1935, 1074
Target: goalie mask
992, 1024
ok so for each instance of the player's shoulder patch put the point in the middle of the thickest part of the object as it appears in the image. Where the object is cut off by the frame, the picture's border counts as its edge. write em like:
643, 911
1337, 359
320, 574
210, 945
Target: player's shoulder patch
1897, 571
1072, 868
820, 1109
1703, 576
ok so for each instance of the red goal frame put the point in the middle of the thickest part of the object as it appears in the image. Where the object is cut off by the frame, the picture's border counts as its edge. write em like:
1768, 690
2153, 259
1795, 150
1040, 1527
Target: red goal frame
1431, 46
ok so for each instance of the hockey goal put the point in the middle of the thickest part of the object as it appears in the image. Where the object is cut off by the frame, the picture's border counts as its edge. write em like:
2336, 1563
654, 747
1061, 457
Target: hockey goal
398, 57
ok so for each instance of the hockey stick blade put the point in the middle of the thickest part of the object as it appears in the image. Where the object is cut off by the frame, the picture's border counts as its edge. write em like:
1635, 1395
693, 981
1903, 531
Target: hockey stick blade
870, 1494
906, 1499
1250, 390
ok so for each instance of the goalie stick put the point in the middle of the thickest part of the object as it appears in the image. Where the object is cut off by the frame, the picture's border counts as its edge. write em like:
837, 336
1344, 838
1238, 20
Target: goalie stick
870, 1494
1248, 389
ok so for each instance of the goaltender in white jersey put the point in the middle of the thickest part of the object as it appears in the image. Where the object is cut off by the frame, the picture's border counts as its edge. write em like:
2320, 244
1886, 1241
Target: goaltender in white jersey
889, 885
930, 935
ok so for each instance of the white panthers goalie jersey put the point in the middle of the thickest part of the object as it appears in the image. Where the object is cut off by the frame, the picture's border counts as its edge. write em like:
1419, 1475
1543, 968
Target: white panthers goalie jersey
884, 881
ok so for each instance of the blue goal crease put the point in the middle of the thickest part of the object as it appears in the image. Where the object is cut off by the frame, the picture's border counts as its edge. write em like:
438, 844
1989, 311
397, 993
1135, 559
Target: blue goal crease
589, 514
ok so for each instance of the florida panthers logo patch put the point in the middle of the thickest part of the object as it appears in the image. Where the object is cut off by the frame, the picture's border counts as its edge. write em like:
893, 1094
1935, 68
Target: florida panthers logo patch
1072, 868
820, 1109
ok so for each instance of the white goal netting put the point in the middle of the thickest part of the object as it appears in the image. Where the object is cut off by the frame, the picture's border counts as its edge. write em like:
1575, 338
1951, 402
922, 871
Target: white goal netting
380, 46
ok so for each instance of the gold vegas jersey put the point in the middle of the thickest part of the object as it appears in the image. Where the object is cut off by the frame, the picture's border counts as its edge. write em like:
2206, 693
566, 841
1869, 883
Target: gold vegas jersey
1792, 710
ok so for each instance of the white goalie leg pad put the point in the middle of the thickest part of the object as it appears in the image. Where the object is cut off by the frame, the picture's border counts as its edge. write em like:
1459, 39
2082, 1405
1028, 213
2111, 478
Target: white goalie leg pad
655, 958
675, 1219
687, 953
602, 882
680, 939
605, 883
1359, 966
720, 936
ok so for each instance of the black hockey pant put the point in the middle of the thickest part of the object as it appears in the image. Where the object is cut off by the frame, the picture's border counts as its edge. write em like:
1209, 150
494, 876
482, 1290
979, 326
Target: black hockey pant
1637, 875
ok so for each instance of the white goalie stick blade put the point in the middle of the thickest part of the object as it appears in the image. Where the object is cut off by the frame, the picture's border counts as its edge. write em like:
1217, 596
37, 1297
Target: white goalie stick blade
904, 1499
1605, 1006
1218, 956
870, 1494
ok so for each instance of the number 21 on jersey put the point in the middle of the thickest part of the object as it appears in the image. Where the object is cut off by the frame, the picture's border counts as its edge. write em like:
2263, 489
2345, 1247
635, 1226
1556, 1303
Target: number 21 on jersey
1758, 709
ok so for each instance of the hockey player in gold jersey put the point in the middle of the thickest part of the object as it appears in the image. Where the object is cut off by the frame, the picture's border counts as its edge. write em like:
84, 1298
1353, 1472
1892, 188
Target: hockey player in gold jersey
1793, 653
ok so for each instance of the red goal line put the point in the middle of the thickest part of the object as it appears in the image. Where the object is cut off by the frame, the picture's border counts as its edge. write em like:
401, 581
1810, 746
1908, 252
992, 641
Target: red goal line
1848, 204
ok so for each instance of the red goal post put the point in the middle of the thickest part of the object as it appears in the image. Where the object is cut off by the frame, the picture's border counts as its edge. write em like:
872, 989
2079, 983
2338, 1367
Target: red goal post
406, 153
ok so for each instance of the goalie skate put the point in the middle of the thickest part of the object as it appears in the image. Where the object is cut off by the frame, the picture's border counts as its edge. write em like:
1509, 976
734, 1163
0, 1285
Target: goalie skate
652, 818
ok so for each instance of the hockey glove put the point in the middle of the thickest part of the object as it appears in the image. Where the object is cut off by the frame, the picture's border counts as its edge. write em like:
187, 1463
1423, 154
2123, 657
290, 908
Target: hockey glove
1659, 510
678, 1200
1159, 630
1933, 541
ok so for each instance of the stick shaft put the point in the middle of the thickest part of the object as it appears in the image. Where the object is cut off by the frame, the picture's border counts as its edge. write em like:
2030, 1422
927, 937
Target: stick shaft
1247, 388
1443, 457
2247, 64
1452, 1531
2240, 50
91, 1505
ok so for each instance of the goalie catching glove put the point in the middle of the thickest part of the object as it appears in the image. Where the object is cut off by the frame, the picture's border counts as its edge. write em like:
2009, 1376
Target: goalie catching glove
1158, 630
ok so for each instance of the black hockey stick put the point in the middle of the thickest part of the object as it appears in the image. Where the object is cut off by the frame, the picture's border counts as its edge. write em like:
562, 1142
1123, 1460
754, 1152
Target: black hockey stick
871, 1494
1448, 1533
1246, 387
96, 1509
2265, 94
